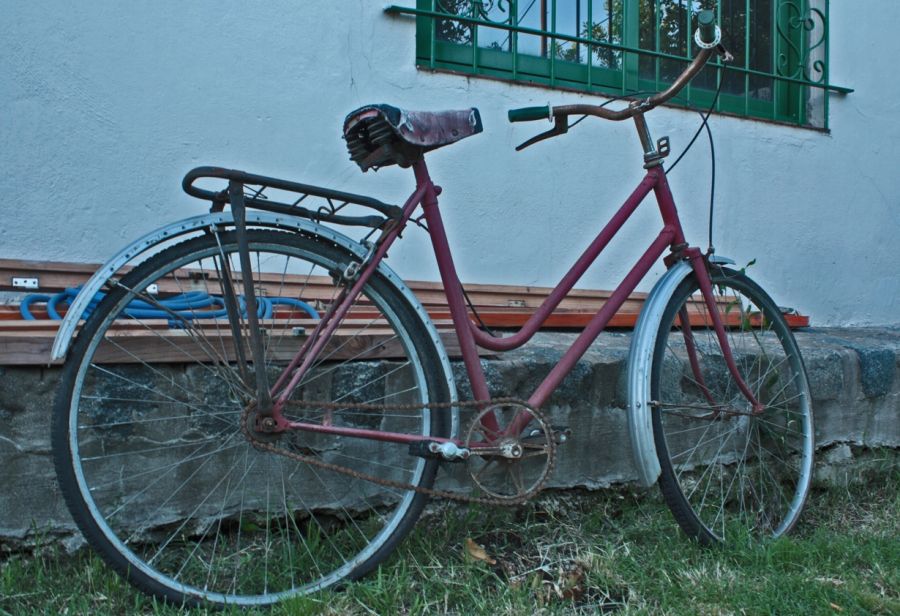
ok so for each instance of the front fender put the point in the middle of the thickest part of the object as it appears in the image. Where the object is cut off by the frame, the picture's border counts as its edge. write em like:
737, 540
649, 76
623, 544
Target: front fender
640, 363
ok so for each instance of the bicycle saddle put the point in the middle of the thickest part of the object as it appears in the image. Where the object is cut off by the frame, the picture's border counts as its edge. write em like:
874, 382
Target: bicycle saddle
382, 135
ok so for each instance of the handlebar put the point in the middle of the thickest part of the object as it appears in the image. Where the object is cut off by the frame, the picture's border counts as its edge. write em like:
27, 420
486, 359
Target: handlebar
528, 114
707, 33
644, 105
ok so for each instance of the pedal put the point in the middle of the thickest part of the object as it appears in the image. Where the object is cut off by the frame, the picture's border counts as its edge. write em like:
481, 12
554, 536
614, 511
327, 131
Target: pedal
561, 434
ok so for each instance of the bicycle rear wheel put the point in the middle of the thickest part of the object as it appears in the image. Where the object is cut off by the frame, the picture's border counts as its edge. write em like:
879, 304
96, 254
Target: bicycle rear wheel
151, 458
725, 470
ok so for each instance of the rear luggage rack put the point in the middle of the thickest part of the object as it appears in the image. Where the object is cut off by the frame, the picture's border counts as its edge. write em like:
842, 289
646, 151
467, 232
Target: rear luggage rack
330, 202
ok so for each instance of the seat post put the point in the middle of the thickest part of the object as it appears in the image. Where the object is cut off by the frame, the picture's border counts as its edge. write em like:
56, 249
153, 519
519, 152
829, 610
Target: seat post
422, 176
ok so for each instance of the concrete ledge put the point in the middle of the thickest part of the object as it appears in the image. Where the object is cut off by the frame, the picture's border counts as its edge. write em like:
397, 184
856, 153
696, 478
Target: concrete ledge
853, 374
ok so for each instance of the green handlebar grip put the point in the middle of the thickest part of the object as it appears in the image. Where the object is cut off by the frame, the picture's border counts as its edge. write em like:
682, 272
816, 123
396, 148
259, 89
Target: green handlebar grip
528, 114
706, 23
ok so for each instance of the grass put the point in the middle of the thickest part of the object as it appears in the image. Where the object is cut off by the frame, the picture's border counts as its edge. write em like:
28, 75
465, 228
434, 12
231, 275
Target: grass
566, 553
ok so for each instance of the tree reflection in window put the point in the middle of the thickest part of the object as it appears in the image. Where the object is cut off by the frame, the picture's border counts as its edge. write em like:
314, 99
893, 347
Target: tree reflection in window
769, 39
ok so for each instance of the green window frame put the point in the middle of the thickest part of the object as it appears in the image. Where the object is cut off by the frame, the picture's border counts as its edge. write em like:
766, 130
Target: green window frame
627, 47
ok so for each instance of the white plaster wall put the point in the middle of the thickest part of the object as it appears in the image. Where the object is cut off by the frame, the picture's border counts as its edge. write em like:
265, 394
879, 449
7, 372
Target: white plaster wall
105, 105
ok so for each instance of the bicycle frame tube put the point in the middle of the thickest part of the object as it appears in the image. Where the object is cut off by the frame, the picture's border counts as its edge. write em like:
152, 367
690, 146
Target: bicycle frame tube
533, 324
335, 314
470, 337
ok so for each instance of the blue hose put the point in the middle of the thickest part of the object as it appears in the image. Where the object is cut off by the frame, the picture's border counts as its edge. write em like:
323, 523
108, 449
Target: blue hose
185, 306
25, 307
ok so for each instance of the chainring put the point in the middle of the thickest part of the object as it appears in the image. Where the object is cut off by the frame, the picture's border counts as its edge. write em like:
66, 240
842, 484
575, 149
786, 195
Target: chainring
510, 468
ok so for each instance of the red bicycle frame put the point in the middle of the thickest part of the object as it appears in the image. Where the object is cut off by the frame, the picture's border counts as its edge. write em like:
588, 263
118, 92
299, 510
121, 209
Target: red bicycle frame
471, 337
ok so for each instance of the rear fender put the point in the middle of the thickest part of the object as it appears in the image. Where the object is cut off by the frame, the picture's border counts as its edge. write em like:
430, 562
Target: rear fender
153, 241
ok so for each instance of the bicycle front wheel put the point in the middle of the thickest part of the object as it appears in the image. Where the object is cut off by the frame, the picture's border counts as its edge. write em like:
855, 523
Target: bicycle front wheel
726, 470
149, 450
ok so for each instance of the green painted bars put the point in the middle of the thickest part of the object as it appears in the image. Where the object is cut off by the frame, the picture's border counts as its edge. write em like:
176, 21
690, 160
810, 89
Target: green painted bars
627, 47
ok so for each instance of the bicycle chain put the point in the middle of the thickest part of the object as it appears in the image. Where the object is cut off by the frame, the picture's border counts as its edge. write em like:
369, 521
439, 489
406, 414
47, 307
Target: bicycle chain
390, 483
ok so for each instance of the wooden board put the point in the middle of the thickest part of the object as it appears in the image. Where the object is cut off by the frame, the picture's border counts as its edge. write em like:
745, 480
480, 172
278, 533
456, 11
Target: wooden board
499, 306
30, 342
55, 276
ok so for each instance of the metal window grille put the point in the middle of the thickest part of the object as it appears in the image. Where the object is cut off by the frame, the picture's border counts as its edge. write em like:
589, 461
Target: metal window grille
622, 47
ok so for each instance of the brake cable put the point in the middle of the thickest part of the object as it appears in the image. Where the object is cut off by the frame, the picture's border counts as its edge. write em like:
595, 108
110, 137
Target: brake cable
704, 124
712, 157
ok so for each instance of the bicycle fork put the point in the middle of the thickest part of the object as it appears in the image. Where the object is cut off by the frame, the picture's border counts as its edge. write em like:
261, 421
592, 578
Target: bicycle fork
700, 266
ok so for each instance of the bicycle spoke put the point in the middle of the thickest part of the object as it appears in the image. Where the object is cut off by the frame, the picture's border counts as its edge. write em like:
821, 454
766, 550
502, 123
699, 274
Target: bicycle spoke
219, 534
198, 542
150, 389
113, 424
163, 464
155, 514
113, 513
737, 473
196, 334
138, 452
723, 463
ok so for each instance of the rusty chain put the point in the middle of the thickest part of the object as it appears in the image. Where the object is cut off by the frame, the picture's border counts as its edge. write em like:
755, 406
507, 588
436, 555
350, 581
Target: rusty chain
390, 483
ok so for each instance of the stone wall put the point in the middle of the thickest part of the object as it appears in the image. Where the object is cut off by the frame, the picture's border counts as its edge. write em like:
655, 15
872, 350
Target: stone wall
853, 377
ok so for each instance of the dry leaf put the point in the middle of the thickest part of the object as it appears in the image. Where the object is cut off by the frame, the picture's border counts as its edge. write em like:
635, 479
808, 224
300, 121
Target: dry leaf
571, 585
478, 552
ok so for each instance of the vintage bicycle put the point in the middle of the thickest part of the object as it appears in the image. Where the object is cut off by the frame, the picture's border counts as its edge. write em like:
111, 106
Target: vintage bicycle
283, 434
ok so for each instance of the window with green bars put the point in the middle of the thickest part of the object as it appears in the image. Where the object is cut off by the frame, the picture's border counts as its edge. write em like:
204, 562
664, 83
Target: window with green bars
625, 47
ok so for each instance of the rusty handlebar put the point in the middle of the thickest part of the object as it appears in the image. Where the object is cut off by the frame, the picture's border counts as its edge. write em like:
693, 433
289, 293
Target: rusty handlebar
640, 105
708, 38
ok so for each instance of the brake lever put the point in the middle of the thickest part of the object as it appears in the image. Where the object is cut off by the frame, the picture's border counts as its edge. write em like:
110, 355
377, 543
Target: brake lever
560, 127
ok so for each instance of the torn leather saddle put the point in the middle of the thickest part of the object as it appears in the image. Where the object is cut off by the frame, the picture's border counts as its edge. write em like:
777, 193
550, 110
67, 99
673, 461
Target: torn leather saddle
382, 135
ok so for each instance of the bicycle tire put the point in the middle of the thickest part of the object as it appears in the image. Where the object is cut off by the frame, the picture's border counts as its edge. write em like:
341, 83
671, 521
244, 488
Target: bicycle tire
725, 471
161, 481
